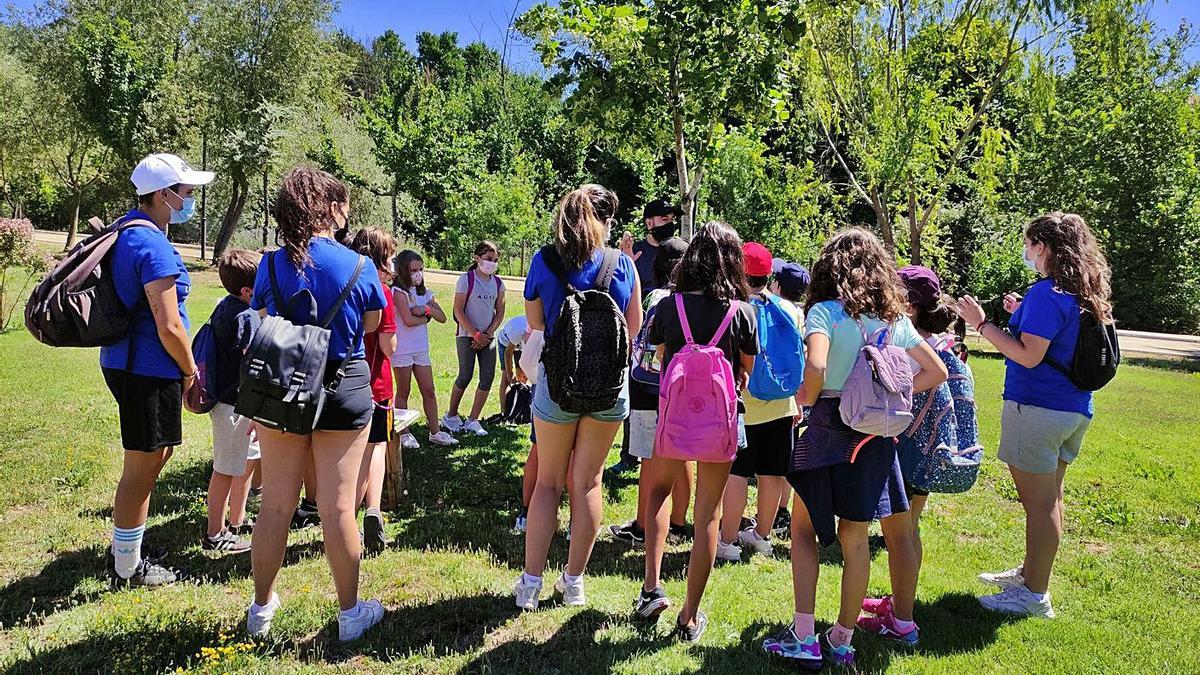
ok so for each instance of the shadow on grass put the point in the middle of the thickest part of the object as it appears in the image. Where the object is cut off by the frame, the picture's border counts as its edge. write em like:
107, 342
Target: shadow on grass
154, 649
467, 496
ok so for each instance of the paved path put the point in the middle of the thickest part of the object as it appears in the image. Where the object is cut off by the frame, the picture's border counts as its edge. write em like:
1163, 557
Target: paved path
1133, 343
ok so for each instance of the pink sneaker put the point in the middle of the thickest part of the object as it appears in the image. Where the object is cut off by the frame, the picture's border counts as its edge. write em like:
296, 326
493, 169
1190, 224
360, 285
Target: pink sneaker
878, 606
883, 624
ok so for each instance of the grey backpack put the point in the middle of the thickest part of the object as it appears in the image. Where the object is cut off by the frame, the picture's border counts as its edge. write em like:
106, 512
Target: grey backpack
282, 381
76, 304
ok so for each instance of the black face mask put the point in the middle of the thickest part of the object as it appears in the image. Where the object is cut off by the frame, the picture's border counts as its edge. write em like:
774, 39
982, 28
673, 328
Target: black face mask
663, 232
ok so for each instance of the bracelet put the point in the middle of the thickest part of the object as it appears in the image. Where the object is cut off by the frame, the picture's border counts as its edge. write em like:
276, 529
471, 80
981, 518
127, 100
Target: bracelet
979, 328
477, 334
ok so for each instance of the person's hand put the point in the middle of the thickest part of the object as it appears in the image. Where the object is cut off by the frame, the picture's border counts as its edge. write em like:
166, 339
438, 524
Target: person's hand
626, 244
970, 310
189, 381
1012, 302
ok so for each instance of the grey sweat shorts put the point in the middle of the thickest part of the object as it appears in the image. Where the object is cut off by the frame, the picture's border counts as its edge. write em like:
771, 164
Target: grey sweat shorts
1035, 439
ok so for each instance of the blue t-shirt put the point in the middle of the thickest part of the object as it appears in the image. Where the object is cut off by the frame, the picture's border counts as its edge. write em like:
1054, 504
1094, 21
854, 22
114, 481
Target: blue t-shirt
140, 256
330, 270
1052, 314
829, 318
541, 283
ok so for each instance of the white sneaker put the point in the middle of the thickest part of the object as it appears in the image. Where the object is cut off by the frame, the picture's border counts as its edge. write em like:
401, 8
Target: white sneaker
353, 623
409, 442
452, 424
1018, 601
728, 552
443, 437
258, 619
755, 542
1005, 579
572, 593
522, 523
474, 427
527, 594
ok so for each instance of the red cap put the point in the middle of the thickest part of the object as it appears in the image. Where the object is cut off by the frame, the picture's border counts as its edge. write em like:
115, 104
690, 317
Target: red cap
758, 259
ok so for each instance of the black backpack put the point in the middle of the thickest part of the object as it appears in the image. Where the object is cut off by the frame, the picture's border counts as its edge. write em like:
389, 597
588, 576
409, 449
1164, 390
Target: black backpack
586, 358
76, 304
1097, 354
518, 404
282, 380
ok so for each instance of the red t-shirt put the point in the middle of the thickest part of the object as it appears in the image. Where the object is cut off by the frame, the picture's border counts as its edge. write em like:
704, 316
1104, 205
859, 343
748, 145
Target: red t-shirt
381, 366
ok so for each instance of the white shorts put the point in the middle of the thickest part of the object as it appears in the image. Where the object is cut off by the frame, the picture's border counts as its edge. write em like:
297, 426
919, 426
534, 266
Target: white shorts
233, 442
409, 360
641, 432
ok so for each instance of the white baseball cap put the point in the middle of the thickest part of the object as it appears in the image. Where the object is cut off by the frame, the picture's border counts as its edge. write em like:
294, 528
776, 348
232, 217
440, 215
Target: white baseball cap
162, 170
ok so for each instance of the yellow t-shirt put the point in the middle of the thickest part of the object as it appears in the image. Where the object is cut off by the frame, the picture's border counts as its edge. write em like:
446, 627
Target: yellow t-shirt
759, 411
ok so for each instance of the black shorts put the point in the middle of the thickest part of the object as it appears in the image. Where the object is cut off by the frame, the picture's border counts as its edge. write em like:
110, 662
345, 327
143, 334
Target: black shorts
768, 449
350, 407
150, 408
381, 423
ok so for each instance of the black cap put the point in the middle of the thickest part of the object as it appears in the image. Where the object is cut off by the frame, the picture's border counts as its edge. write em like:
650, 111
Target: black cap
661, 207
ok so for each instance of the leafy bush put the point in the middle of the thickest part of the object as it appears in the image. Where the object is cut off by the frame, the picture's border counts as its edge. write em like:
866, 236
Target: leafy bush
20, 260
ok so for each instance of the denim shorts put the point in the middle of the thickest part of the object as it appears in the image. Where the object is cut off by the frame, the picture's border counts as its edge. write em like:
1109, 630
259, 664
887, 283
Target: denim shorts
548, 411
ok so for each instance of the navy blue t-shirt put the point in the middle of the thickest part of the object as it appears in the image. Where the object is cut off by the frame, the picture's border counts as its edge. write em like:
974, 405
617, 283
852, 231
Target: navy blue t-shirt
142, 255
541, 283
1049, 313
330, 270
233, 325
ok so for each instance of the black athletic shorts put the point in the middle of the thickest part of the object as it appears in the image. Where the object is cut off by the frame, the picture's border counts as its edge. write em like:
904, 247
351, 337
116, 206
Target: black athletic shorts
768, 449
381, 423
150, 408
351, 407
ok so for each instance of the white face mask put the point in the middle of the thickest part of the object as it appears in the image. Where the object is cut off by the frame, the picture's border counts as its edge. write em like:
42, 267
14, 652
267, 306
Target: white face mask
417, 278
488, 266
1030, 263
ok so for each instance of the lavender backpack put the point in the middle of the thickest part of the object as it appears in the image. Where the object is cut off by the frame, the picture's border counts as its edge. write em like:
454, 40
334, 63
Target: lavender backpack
877, 396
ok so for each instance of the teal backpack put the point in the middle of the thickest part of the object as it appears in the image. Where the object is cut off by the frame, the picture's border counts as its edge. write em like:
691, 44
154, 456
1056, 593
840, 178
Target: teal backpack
779, 367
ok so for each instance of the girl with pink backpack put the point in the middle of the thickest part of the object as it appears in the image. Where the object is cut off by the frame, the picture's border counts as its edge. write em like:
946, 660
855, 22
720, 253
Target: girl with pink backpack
705, 336
844, 468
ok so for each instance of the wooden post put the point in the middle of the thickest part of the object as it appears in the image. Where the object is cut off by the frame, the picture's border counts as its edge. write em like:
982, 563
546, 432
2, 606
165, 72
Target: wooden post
394, 485
266, 210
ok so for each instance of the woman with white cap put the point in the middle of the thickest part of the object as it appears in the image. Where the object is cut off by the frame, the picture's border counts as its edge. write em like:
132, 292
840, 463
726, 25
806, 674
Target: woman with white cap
149, 369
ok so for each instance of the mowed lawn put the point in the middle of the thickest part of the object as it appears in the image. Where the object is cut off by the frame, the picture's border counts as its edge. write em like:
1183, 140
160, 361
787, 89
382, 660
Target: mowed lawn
1126, 588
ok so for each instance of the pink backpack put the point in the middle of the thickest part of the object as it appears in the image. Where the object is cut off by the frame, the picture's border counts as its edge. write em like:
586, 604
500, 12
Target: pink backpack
697, 403
877, 396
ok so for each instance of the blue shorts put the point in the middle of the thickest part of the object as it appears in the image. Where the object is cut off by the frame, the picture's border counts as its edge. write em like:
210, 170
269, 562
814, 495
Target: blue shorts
547, 410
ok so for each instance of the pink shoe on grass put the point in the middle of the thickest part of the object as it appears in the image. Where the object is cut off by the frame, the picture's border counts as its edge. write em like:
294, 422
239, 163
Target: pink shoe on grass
883, 623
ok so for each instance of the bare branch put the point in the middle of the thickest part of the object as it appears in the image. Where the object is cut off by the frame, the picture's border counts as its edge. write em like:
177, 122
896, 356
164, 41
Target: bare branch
842, 162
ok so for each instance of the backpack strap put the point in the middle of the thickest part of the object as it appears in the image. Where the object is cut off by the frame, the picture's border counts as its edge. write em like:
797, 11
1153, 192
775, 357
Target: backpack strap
337, 305
608, 269
683, 321
281, 306
916, 423
554, 263
470, 283
717, 336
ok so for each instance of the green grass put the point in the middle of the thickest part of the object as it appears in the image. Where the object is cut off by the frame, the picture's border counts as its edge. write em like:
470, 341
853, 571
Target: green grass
1127, 584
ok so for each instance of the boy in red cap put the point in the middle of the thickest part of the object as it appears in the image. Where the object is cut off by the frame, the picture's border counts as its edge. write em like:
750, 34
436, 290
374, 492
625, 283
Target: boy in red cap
770, 433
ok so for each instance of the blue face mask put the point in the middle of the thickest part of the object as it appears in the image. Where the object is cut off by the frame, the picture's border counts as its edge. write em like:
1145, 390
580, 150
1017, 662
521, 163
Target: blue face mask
185, 212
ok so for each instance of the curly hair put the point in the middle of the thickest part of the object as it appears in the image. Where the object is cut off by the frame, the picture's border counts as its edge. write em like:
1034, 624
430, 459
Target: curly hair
713, 264
303, 209
1074, 260
855, 269
579, 224
378, 245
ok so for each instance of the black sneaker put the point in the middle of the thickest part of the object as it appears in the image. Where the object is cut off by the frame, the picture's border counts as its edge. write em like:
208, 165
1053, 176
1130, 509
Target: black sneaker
226, 542
148, 574
678, 534
622, 467
255, 493
747, 524
694, 633
649, 605
630, 533
782, 527
306, 515
153, 553
374, 540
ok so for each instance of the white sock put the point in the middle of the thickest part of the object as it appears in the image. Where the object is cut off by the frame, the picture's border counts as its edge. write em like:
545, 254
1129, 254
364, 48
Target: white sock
1037, 596
572, 580
530, 580
127, 549
353, 612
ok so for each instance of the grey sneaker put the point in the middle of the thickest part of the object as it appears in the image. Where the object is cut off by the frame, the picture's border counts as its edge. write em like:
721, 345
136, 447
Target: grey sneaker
527, 594
353, 623
226, 542
1018, 601
573, 595
148, 574
695, 632
452, 424
1005, 579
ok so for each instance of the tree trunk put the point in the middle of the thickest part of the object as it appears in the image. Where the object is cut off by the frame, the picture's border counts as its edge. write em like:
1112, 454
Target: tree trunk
74, 221
914, 228
883, 220
396, 206
233, 214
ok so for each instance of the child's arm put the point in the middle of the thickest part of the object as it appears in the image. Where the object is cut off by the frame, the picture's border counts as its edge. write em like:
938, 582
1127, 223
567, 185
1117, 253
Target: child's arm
814, 369
933, 371
435, 311
1028, 351
404, 309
